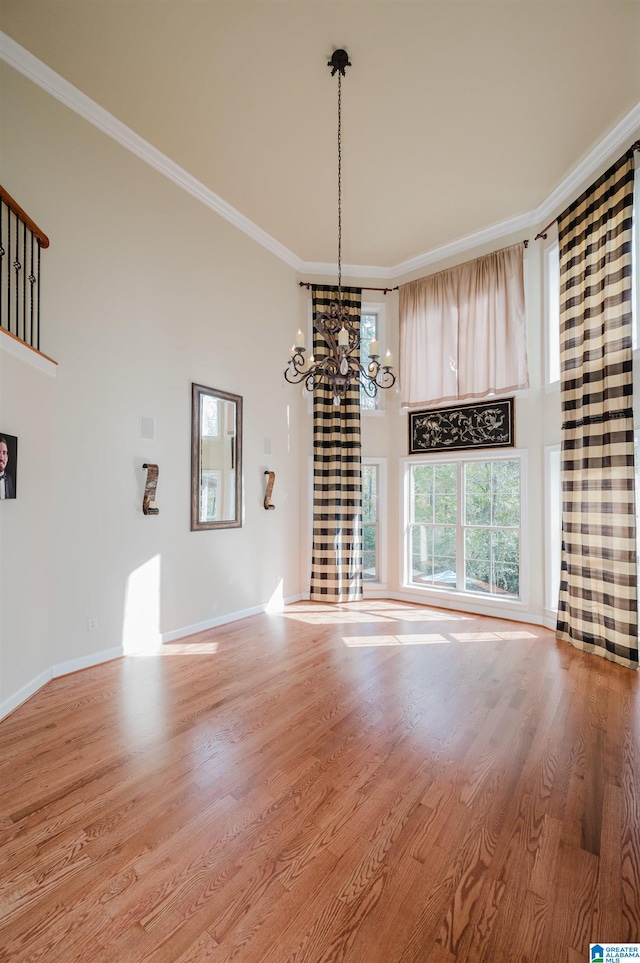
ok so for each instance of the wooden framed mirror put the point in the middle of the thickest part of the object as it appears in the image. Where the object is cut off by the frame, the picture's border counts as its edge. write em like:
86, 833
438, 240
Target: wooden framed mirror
216, 459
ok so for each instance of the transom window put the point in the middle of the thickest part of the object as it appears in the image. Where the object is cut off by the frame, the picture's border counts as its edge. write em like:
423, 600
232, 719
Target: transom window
368, 333
372, 328
553, 508
465, 526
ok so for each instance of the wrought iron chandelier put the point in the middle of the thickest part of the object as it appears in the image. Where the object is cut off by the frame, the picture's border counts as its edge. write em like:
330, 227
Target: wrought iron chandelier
341, 368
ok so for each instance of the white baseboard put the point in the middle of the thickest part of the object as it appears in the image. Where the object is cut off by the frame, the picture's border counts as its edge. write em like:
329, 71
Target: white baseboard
24, 692
302, 597
86, 661
53, 672
176, 634
97, 658
373, 590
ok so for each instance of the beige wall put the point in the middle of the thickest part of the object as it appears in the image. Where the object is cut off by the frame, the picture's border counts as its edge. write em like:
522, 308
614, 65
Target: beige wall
145, 291
26, 532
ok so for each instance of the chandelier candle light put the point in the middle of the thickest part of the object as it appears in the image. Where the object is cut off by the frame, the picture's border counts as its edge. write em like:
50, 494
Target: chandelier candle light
341, 367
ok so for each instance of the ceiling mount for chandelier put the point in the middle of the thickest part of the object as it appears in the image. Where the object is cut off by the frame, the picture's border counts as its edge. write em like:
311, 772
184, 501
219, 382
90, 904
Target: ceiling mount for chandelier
341, 368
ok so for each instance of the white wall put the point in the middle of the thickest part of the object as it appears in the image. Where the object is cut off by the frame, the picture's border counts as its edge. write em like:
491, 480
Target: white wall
26, 539
144, 291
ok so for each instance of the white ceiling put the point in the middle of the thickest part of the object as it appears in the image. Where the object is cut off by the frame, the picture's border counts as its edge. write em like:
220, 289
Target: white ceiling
456, 115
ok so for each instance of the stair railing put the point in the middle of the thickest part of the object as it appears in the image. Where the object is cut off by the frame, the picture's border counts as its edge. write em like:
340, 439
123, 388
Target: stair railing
21, 242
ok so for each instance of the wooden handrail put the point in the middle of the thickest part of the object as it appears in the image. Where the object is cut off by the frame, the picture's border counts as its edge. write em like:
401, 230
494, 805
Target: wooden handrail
7, 334
20, 214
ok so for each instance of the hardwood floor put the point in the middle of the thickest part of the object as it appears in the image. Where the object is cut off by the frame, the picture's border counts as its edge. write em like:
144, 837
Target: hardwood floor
378, 782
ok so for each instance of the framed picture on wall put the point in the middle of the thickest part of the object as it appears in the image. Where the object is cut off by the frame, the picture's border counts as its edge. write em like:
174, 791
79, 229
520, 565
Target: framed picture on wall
483, 424
8, 465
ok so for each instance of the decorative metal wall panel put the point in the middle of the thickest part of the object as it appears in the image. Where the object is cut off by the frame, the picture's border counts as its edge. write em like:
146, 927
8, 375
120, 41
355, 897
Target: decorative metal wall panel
485, 424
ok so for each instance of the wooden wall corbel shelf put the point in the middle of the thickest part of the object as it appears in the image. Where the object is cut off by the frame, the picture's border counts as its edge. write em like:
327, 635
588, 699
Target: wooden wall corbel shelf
267, 495
149, 499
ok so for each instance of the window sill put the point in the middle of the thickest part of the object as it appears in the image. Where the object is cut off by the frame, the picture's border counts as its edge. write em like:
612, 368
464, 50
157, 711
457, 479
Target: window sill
552, 388
466, 597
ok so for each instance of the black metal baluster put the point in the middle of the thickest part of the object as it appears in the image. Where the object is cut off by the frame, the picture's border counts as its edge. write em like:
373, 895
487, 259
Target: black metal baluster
17, 266
39, 276
19, 316
24, 282
32, 279
9, 270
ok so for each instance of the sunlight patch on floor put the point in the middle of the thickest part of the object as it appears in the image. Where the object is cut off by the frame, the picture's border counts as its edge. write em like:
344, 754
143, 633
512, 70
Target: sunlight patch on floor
364, 641
491, 636
314, 617
189, 648
144, 709
517, 635
426, 615
319, 613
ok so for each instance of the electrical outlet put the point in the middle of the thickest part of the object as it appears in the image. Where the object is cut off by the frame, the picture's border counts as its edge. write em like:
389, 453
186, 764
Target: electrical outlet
92, 624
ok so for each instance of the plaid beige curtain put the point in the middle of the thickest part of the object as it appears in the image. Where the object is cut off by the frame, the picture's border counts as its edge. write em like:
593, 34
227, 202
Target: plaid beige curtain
336, 564
597, 610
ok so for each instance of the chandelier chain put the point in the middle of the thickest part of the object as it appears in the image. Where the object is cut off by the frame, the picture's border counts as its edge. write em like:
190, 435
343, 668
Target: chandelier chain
340, 367
339, 186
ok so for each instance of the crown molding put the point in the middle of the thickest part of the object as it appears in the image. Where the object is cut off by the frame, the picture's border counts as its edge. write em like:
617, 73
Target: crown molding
603, 153
488, 234
59, 88
321, 269
497, 232
622, 135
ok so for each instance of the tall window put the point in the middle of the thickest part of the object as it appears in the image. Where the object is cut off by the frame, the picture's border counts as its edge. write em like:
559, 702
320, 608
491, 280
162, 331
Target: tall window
370, 516
553, 510
492, 527
465, 526
434, 499
374, 515
368, 333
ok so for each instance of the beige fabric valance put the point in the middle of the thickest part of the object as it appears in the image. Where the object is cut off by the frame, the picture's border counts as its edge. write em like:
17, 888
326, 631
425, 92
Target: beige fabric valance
463, 331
